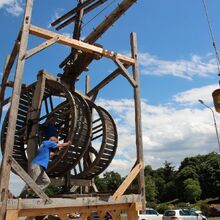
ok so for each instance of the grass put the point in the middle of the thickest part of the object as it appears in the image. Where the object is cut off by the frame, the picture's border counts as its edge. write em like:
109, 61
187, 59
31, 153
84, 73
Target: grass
214, 218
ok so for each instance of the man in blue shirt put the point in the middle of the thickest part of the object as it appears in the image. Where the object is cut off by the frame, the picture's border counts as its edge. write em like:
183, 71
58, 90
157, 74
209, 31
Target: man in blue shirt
40, 162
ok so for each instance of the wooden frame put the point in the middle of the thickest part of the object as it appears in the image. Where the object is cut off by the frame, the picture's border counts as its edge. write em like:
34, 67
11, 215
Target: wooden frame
85, 206
12, 209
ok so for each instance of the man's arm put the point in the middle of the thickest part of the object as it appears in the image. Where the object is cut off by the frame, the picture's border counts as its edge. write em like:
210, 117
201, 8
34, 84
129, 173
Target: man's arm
62, 145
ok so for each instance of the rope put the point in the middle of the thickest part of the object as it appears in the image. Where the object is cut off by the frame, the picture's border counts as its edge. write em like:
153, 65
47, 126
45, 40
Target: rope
99, 13
212, 36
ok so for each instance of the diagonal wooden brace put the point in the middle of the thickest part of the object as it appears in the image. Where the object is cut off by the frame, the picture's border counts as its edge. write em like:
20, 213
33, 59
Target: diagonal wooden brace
41, 47
30, 182
128, 180
125, 72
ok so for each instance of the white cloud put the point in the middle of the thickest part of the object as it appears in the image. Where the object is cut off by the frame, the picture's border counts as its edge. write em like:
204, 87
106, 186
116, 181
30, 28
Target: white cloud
169, 133
14, 7
196, 66
193, 95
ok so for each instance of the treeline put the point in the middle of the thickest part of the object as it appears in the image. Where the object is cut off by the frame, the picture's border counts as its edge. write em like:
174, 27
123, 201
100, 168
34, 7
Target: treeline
197, 178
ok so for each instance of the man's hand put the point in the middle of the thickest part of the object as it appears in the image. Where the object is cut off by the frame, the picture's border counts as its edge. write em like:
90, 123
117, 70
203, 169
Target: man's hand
69, 142
62, 145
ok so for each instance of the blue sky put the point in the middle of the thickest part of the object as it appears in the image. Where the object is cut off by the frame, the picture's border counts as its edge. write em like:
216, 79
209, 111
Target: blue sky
176, 63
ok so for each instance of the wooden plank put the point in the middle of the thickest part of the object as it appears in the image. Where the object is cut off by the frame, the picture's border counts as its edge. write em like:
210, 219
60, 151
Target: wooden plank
30, 182
87, 87
74, 18
65, 210
128, 180
132, 212
6, 166
7, 69
41, 47
12, 215
68, 14
84, 60
138, 125
32, 143
62, 216
109, 20
115, 214
125, 72
40, 32
30, 204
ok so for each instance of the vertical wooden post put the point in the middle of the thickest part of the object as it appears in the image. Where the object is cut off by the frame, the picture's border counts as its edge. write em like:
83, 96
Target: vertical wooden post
138, 125
2, 86
12, 215
34, 115
7, 69
132, 212
87, 89
6, 165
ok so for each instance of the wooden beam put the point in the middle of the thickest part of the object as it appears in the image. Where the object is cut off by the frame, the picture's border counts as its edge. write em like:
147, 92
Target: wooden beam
133, 212
138, 125
41, 47
7, 69
43, 33
63, 216
79, 202
84, 60
86, 10
128, 180
125, 72
12, 215
30, 182
87, 84
68, 14
109, 20
9, 143
32, 136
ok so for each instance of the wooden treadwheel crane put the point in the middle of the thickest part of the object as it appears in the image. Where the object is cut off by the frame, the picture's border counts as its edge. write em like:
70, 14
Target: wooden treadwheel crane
25, 105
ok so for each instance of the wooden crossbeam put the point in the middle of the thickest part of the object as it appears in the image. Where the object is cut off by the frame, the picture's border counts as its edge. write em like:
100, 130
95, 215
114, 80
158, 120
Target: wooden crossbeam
68, 14
41, 47
128, 180
86, 10
97, 32
43, 33
109, 20
30, 182
125, 73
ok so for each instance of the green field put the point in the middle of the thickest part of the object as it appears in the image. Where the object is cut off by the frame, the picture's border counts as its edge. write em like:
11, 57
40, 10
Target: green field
214, 218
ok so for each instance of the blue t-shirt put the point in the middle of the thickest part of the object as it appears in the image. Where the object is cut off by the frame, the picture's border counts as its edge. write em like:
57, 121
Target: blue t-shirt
50, 130
43, 153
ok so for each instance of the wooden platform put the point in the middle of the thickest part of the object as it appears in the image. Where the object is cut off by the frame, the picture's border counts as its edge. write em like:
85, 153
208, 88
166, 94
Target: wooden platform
85, 206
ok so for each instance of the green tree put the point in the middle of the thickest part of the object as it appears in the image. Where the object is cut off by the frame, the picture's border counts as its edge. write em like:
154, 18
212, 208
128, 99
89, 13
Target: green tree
192, 190
100, 184
150, 189
210, 176
164, 178
113, 180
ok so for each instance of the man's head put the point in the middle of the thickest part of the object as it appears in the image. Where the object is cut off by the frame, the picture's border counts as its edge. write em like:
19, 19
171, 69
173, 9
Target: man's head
52, 119
54, 139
